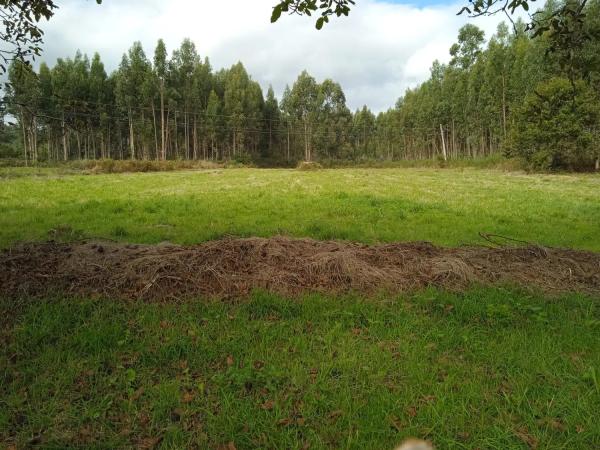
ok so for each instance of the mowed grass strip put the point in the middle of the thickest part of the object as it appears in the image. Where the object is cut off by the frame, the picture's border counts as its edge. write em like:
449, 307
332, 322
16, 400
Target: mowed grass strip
446, 206
487, 369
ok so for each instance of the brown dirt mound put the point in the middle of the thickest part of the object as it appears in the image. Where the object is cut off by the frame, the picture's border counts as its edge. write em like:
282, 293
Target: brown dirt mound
234, 267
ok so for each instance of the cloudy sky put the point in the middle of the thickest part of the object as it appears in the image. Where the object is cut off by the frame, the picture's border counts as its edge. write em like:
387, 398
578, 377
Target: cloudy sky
384, 46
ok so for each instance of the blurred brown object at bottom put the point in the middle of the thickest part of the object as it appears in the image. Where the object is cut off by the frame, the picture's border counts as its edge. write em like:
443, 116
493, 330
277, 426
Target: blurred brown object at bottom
415, 444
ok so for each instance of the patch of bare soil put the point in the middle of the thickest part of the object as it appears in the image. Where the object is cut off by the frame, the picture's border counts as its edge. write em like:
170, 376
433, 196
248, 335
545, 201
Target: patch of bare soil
234, 267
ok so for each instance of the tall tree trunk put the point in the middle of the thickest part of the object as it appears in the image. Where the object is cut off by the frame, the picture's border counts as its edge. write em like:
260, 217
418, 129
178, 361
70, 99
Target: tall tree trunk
195, 137
288, 143
186, 140
156, 150
443, 143
234, 142
131, 136
64, 138
78, 137
504, 105
176, 133
306, 155
270, 137
162, 120
142, 137
167, 135
24, 136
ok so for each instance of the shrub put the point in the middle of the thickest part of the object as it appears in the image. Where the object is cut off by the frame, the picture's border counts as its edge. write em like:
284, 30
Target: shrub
309, 165
128, 165
557, 126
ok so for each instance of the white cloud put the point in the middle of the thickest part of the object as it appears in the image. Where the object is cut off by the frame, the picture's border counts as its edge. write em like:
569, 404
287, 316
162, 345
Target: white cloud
376, 53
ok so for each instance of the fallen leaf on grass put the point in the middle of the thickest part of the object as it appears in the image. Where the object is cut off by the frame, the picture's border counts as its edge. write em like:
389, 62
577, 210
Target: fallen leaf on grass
148, 443
137, 394
334, 415
188, 397
527, 438
284, 422
300, 421
259, 365
268, 405
229, 361
555, 424
396, 423
428, 399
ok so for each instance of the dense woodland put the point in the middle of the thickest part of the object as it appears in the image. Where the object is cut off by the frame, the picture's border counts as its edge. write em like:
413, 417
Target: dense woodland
513, 94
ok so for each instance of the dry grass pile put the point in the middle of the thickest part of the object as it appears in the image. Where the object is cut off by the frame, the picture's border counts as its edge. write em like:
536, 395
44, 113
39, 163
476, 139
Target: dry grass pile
234, 267
309, 165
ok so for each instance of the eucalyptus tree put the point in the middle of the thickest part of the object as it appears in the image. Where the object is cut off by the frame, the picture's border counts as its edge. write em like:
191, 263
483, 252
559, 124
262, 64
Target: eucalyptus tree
302, 106
333, 121
272, 118
132, 77
160, 72
24, 95
101, 105
214, 123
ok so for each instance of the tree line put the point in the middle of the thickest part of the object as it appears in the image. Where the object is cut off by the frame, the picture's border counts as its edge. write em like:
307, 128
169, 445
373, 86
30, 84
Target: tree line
516, 95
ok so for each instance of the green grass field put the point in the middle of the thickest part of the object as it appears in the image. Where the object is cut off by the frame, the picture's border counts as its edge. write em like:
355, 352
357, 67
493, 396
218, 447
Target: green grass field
448, 207
490, 368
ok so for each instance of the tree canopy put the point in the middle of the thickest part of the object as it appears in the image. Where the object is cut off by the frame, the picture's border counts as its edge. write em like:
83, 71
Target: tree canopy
176, 106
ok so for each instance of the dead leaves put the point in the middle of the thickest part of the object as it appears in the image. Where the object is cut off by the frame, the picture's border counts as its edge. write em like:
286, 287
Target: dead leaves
552, 423
229, 446
268, 405
137, 394
289, 421
531, 441
148, 443
396, 423
335, 415
188, 397
313, 374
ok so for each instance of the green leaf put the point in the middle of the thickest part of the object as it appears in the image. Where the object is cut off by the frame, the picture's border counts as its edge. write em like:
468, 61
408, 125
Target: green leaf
319, 23
276, 13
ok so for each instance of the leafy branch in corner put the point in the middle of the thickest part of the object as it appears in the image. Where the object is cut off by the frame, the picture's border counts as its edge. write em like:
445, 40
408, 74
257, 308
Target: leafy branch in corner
20, 29
326, 9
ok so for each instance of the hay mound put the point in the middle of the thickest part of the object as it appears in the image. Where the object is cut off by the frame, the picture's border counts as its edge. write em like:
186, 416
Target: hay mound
309, 165
234, 267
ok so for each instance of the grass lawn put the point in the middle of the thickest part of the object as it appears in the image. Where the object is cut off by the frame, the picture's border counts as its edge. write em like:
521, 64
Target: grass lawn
493, 368
487, 369
445, 206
